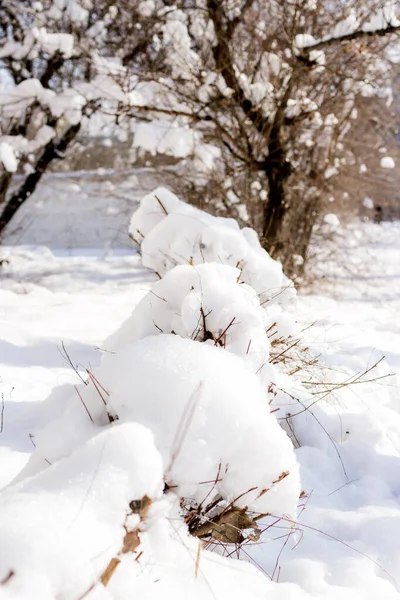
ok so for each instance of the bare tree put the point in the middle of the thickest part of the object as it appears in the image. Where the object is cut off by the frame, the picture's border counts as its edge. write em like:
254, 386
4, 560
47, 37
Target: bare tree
272, 86
55, 77
255, 98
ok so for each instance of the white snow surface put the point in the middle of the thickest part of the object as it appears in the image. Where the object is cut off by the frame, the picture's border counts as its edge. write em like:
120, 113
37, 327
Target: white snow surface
61, 524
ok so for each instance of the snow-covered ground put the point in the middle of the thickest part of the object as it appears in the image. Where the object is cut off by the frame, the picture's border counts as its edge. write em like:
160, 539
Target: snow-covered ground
82, 209
60, 306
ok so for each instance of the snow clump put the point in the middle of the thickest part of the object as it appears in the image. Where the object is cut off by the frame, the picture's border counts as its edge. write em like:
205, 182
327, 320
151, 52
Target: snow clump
387, 162
205, 303
332, 220
171, 232
368, 203
8, 158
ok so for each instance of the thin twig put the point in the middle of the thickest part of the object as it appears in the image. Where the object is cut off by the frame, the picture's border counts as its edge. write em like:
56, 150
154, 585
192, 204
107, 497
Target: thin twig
161, 204
67, 357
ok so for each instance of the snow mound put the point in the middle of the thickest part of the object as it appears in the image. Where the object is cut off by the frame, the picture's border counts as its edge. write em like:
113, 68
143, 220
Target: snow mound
171, 232
212, 418
209, 415
66, 528
65, 524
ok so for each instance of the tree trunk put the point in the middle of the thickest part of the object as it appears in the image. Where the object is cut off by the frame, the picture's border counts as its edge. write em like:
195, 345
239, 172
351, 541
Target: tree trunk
50, 153
278, 170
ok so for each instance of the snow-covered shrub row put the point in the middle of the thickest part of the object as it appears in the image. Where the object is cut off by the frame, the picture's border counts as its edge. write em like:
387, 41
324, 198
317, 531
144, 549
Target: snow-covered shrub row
208, 303
172, 233
184, 393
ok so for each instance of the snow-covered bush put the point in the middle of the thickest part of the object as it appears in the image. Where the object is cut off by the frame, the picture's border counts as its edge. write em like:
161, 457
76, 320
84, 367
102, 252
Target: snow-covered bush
205, 303
213, 421
96, 525
192, 364
171, 232
209, 414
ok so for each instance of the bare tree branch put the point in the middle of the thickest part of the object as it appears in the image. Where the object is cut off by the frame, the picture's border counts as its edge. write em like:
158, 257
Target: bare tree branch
348, 37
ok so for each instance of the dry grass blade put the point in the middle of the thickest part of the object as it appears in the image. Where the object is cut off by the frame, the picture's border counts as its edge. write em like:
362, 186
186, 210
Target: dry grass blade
332, 537
332, 387
289, 416
31, 436
223, 334
7, 578
109, 572
83, 402
99, 389
277, 568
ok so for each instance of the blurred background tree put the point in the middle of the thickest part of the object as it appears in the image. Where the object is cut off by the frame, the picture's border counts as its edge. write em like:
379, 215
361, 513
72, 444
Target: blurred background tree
258, 104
